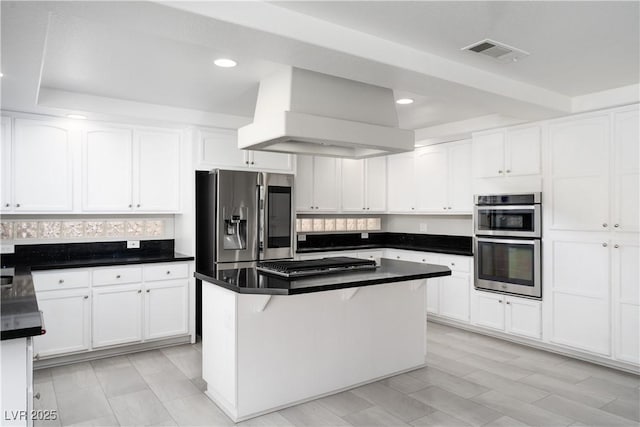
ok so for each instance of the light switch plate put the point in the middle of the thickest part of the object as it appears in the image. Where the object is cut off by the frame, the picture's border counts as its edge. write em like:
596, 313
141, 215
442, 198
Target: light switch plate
133, 244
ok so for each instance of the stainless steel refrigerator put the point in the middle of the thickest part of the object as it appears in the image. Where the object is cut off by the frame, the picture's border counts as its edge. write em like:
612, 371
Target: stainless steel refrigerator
244, 216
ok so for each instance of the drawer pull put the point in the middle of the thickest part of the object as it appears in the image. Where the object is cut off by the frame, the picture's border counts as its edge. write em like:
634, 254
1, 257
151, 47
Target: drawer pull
508, 303
61, 281
500, 301
453, 264
148, 290
86, 297
117, 276
139, 291
168, 271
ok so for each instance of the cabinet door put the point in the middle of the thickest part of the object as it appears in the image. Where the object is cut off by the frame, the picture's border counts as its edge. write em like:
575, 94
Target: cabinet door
157, 181
220, 148
523, 317
522, 152
626, 276
488, 310
43, 169
352, 185
488, 155
117, 315
626, 191
107, 170
401, 183
433, 296
304, 183
166, 308
271, 161
66, 320
325, 184
579, 174
376, 184
5, 162
580, 300
431, 172
460, 194
454, 296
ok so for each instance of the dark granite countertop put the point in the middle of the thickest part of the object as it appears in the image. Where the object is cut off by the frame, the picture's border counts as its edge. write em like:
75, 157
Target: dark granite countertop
20, 316
454, 245
250, 281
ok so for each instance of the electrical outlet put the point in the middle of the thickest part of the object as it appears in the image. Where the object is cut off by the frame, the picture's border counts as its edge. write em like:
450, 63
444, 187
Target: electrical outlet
133, 244
302, 237
7, 249
364, 235
423, 227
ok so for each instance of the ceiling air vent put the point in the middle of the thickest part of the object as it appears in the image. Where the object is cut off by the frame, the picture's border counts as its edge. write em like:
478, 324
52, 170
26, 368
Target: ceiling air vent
498, 51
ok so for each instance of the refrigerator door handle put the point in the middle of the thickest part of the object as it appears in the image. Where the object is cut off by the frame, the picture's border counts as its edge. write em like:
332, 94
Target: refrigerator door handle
261, 216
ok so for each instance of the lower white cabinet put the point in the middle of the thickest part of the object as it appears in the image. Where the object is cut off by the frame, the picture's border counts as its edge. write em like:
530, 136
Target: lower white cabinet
116, 315
519, 316
453, 296
16, 382
66, 322
95, 308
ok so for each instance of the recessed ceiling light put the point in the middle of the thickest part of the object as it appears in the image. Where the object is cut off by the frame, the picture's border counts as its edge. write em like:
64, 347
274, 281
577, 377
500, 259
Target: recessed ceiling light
225, 62
76, 116
404, 101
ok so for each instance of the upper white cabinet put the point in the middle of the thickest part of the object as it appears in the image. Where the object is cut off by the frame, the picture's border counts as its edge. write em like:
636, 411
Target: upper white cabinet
128, 170
218, 148
510, 152
364, 185
594, 172
5, 161
401, 182
42, 173
317, 188
434, 179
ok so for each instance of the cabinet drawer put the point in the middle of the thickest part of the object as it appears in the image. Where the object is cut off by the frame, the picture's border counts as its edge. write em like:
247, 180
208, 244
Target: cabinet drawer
457, 263
165, 272
116, 276
60, 279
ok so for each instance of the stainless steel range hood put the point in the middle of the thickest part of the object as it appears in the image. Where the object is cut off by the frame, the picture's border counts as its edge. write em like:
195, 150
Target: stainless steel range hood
304, 112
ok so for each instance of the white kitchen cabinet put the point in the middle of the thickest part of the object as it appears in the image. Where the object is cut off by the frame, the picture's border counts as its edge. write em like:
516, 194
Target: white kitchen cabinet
317, 187
16, 388
401, 183
156, 179
580, 297
129, 170
580, 173
506, 153
364, 185
42, 167
166, 308
454, 296
443, 178
66, 321
626, 298
6, 136
116, 315
516, 316
218, 148
626, 191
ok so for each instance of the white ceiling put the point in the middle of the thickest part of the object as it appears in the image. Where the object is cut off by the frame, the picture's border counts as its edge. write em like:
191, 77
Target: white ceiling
154, 61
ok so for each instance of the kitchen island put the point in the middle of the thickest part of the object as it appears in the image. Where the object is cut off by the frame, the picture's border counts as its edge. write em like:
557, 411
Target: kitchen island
270, 342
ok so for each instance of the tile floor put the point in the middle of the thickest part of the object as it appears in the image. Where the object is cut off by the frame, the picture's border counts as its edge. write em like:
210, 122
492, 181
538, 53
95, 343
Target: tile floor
470, 379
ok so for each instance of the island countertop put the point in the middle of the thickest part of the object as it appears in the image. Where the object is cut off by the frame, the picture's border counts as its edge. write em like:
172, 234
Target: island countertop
248, 280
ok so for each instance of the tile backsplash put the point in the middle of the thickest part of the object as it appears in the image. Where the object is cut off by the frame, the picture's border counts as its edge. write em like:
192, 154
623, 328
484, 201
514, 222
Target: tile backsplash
96, 229
323, 225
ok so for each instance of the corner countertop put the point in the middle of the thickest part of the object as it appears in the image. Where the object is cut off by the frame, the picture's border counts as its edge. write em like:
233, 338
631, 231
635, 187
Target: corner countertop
19, 307
248, 280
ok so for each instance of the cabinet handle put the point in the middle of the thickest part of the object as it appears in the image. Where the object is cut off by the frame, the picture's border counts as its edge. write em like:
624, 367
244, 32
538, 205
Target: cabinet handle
139, 291
604, 245
253, 163
37, 356
444, 207
130, 206
499, 171
604, 224
412, 208
117, 276
246, 162
616, 246
397, 257
453, 264
364, 208
86, 297
508, 171
500, 301
368, 208
424, 260
311, 207
508, 303
138, 205
7, 205
17, 205
616, 225
168, 271
37, 396
148, 290
61, 281
317, 207
449, 207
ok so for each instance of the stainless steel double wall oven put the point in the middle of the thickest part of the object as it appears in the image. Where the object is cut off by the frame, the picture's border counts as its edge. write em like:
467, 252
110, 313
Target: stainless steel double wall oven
508, 244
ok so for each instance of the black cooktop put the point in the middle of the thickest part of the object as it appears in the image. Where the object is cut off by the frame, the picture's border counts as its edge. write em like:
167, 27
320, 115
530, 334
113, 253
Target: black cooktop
315, 266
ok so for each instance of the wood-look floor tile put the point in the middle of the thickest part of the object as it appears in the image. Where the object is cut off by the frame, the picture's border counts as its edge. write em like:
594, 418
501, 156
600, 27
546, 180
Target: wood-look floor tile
273, 419
603, 386
344, 403
456, 406
624, 407
556, 370
42, 375
582, 413
118, 379
451, 366
374, 417
455, 384
74, 377
151, 362
505, 422
405, 383
312, 414
188, 360
568, 390
515, 389
398, 404
82, 404
139, 408
498, 368
613, 375
46, 402
108, 421
439, 419
523, 412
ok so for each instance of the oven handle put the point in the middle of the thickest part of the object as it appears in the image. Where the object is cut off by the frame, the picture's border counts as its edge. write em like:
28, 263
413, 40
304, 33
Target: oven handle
532, 242
505, 207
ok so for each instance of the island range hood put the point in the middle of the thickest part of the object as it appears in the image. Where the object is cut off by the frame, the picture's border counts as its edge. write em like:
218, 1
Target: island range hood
304, 112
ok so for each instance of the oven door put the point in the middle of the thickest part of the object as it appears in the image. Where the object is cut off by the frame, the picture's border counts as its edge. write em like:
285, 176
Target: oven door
510, 221
508, 266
